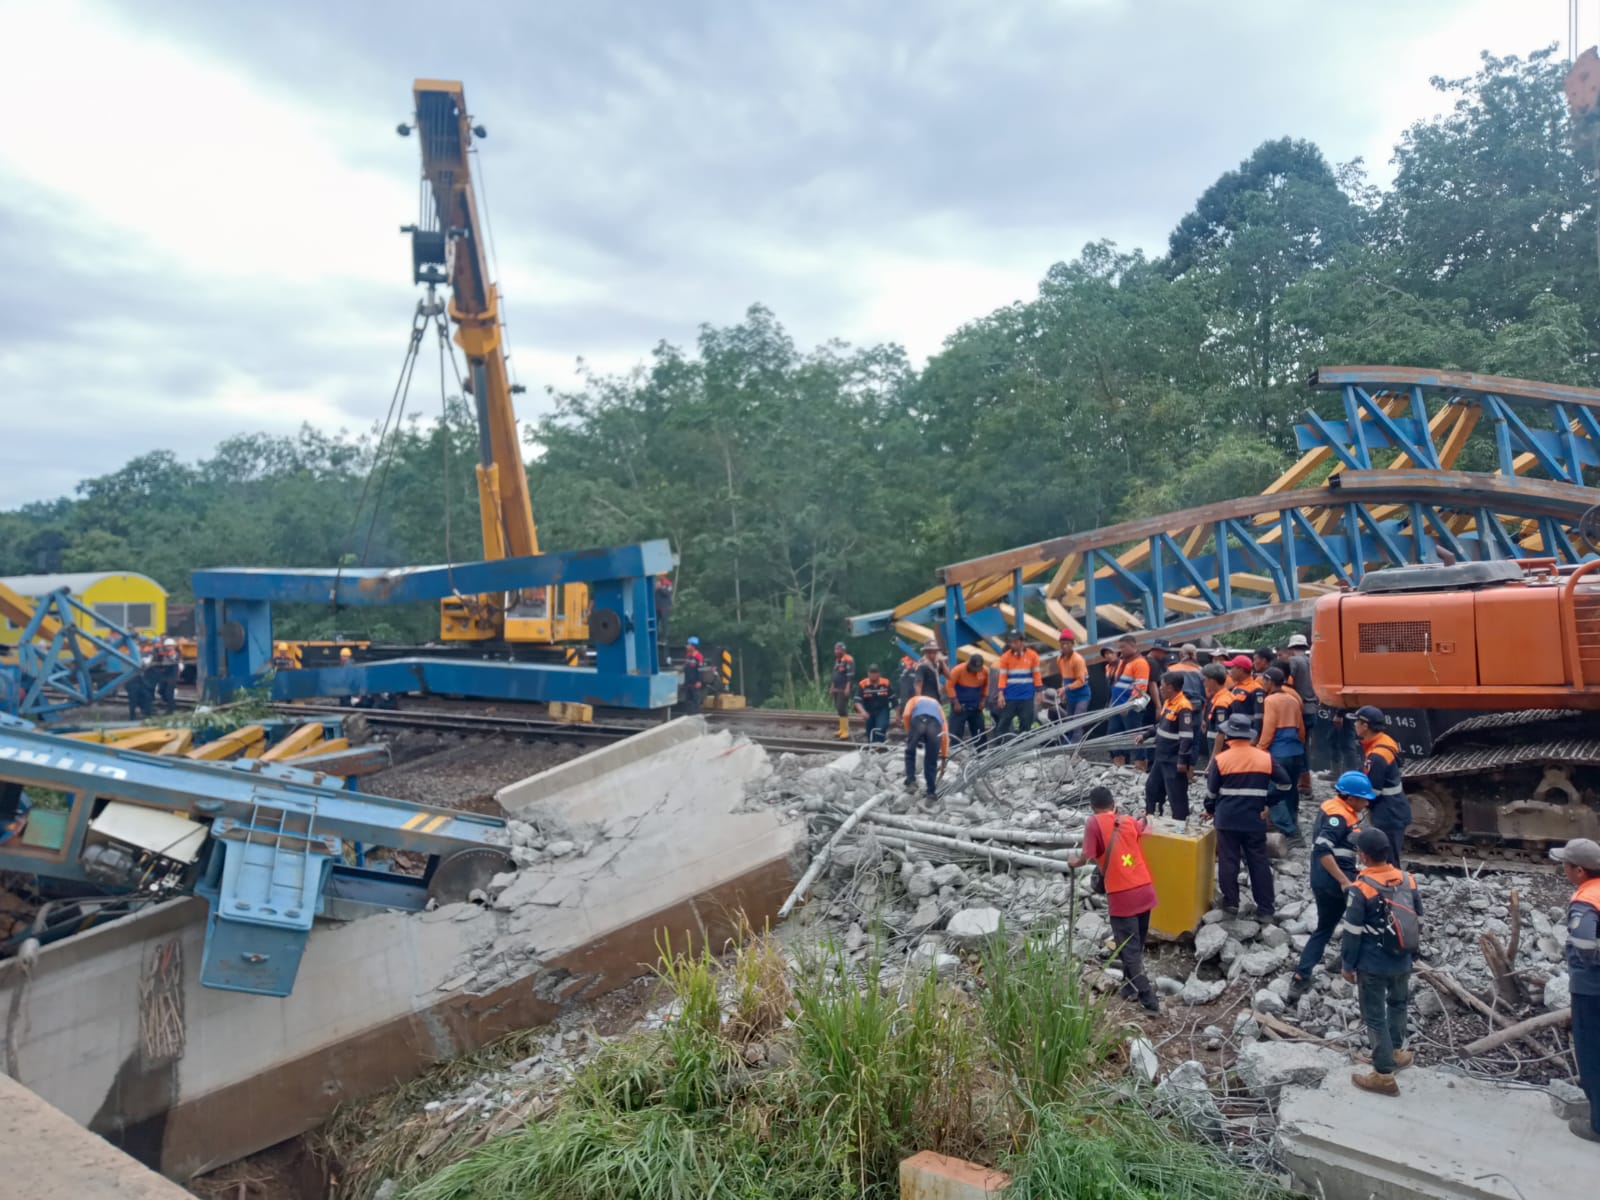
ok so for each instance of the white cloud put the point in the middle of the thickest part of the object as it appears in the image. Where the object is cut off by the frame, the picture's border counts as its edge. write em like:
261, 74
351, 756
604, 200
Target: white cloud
195, 160
206, 196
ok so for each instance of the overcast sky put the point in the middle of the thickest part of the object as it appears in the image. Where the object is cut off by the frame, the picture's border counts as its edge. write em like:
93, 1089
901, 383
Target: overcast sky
199, 201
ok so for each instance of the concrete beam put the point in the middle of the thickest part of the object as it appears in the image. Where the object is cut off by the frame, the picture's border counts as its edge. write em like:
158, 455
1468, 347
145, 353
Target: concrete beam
381, 998
1446, 1136
49, 1156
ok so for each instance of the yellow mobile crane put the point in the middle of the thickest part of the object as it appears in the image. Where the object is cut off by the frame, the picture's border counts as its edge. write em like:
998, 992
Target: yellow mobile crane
447, 247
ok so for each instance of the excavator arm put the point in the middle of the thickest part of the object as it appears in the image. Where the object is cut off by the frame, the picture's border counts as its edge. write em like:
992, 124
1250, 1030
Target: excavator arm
448, 249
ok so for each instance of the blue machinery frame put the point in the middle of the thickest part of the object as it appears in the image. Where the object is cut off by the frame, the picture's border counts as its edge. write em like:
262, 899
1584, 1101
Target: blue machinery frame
1392, 495
69, 667
275, 856
234, 616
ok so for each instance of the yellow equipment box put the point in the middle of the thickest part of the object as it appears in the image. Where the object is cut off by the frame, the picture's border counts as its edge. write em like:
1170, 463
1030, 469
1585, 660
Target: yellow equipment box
1183, 868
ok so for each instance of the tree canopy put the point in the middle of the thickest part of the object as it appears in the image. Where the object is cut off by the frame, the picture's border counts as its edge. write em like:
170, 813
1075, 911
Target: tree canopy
801, 486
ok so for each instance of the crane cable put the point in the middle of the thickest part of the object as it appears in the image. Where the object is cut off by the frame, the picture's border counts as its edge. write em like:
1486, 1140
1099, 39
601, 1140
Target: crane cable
397, 405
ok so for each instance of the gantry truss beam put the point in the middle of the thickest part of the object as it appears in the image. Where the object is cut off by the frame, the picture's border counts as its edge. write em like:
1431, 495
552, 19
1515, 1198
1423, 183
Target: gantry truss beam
1376, 486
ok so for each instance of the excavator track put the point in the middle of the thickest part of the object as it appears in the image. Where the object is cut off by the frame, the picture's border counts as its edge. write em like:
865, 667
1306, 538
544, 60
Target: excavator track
1507, 786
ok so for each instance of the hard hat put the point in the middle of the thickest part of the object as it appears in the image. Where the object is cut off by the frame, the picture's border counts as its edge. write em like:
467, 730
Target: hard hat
1370, 713
694, 641
281, 648
169, 641
930, 644
345, 652
1238, 726
1298, 641
1068, 636
1354, 783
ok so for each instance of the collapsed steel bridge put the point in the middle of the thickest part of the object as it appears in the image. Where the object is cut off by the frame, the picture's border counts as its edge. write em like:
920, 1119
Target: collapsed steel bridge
1380, 486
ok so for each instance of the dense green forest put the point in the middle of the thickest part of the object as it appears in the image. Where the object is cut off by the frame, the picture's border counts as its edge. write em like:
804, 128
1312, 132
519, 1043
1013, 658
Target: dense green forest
802, 486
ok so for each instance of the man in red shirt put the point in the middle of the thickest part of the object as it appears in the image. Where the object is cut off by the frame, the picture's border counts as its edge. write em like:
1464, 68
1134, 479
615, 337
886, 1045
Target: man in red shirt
1111, 841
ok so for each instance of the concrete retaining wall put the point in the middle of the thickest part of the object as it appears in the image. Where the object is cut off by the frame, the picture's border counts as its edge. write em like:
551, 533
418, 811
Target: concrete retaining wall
193, 1078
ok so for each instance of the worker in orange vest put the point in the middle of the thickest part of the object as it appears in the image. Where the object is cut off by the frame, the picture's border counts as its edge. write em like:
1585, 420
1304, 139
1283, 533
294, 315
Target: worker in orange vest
1112, 843
1017, 680
1283, 735
1380, 759
844, 683
1130, 680
967, 686
1218, 703
874, 699
1173, 757
1074, 680
1580, 858
1238, 782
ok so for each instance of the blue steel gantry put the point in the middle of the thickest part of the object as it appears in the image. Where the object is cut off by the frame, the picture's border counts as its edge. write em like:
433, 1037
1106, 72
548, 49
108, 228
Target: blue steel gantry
61, 663
234, 616
1378, 486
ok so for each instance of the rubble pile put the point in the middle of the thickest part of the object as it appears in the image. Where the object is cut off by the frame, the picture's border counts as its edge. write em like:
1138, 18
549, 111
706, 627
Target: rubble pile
941, 875
932, 878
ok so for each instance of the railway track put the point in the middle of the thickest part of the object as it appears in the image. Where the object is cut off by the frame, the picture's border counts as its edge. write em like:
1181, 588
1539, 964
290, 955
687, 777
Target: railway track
593, 734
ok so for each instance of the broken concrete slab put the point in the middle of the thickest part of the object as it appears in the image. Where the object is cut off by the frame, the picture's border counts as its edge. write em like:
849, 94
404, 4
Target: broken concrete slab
1446, 1136
1266, 1068
49, 1156
380, 998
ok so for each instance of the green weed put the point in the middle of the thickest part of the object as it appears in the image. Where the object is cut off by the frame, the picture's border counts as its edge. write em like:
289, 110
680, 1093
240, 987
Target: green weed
1046, 1025
1099, 1147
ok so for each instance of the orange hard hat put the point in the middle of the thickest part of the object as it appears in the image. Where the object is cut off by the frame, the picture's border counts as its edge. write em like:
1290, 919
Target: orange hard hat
344, 652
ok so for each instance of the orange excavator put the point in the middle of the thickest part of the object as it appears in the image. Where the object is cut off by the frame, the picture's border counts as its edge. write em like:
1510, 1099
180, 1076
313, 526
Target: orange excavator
1496, 664
1501, 661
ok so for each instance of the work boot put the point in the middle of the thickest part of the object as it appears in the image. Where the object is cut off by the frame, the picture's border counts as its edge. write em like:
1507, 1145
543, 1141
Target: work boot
1402, 1058
1298, 986
1581, 1127
1372, 1081
1150, 1002
844, 729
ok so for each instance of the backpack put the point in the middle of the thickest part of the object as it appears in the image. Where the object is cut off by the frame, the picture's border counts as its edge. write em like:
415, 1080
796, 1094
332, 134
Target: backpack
1392, 916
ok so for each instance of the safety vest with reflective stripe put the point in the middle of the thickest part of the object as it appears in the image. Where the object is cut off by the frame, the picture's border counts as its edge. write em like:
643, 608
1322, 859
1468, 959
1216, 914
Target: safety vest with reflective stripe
1074, 675
1238, 782
1335, 831
1250, 698
1019, 675
1121, 864
1583, 939
1132, 679
1381, 759
1175, 731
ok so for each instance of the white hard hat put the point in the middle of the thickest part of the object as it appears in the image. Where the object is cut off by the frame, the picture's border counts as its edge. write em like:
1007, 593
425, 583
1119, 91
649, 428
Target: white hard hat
169, 641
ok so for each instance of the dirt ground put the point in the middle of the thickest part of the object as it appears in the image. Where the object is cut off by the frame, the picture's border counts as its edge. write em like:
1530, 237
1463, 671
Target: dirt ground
457, 772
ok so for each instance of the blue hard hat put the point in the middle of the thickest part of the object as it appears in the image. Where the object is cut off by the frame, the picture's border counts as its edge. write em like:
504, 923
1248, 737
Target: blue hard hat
1354, 783
694, 641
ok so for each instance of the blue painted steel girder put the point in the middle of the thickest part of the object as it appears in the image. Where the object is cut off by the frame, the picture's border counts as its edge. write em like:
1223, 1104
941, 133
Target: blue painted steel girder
620, 578
1357, 541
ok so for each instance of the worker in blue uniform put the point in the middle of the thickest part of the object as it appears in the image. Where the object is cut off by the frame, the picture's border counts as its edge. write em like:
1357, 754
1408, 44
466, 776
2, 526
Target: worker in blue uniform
1333, 867
1580, 858
1382, 924
1238, 782
1380, 759
927, 730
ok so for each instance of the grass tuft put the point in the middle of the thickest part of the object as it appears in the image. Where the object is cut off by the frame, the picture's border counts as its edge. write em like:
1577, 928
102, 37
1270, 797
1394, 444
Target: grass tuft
1099, 1147
1046, 1024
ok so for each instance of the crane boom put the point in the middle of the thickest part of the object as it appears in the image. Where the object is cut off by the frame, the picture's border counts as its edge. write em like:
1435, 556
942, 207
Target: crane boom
448, 248
445, 133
